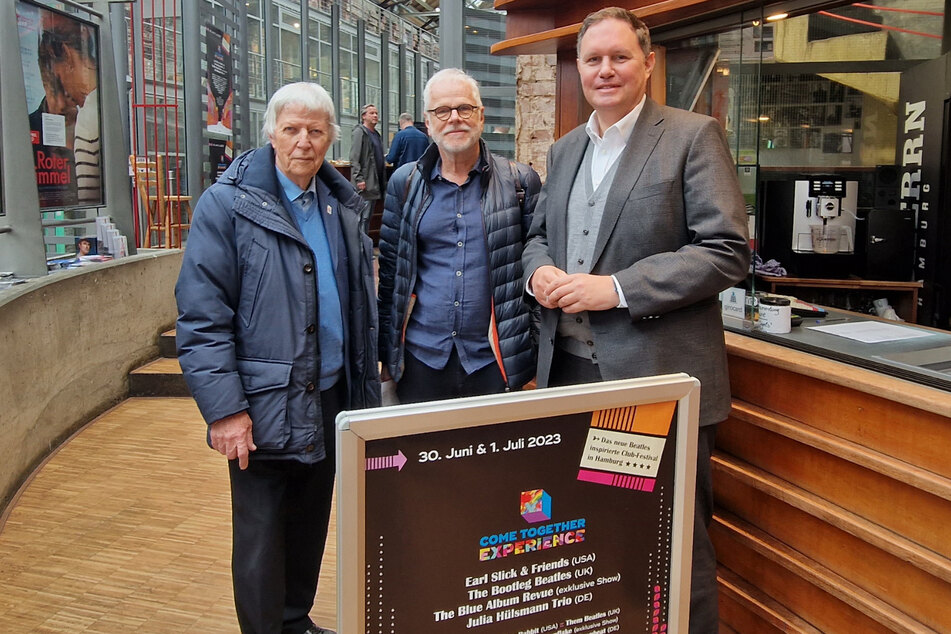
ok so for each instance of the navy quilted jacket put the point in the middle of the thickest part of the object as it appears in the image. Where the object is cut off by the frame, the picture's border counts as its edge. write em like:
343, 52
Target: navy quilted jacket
506, 224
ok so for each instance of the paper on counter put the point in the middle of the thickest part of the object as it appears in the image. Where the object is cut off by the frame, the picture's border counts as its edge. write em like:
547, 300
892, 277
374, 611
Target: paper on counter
871, 331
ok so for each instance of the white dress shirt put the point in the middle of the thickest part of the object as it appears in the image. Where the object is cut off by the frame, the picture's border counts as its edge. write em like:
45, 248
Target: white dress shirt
608, 146
607, 149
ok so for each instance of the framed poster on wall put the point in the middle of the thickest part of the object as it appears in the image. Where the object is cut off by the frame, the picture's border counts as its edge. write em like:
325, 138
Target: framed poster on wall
60, 58
538, 511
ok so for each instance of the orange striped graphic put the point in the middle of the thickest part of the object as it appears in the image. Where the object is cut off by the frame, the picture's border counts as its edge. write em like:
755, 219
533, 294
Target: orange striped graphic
650, 418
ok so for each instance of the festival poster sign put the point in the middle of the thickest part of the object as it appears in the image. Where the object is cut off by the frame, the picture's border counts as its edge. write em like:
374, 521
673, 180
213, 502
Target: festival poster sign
563, 523
60, 60
219, 80
220, 155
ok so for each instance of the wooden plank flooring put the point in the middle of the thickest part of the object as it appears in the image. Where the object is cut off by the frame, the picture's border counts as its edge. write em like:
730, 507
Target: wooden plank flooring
127, 528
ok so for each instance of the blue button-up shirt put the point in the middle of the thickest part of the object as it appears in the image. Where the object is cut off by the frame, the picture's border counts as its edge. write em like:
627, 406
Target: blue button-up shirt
453, 297
306, 210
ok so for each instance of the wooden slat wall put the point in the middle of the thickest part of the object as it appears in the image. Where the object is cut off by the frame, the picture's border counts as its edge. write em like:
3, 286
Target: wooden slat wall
833, 493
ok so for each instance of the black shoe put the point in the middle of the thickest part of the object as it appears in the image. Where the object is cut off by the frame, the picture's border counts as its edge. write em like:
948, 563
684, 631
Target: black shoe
315, 629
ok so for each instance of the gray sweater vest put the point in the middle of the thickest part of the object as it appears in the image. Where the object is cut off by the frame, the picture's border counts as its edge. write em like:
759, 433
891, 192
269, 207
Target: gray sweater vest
585, 209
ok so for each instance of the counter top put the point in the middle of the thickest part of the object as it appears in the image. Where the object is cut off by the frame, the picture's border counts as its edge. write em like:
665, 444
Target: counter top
850, 364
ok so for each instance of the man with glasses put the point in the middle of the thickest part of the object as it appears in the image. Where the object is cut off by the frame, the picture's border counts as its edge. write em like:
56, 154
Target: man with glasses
452, 319
366, 160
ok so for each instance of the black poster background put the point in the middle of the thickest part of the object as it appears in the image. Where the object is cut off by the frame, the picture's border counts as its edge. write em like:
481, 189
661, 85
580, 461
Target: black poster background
219, 158
424, 524
923, 169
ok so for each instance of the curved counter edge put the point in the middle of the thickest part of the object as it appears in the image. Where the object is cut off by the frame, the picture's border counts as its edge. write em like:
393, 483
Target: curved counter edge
68, 342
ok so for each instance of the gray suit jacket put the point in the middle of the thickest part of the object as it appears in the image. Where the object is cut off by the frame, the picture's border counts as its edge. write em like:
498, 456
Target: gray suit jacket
363, 167
674, 233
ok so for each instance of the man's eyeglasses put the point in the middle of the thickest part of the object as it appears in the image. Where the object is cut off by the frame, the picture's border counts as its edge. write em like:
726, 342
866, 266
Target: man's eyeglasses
444, 112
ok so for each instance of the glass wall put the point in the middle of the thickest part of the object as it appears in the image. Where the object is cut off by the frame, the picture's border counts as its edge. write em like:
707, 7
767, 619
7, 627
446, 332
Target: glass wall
816, 106
381, 72
496, 76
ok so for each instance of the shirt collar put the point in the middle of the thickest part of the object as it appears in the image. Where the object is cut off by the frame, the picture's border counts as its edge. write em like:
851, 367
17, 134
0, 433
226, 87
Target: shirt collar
291, 189
475, 169
624, 127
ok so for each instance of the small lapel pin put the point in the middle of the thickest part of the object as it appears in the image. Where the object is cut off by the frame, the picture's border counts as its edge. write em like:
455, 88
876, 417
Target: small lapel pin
330, 209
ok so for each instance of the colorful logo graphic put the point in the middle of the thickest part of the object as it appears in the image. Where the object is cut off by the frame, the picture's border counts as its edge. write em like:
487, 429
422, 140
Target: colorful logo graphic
535, 506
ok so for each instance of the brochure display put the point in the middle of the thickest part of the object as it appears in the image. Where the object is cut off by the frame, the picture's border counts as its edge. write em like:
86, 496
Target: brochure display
560, 510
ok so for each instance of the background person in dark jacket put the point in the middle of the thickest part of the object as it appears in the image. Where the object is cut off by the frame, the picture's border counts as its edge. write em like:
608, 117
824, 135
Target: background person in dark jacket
452, 319
366, 160
408, 144
276, 336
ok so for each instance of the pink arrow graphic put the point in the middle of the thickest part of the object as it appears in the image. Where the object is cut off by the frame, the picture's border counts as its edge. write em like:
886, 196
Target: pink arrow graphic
387, 462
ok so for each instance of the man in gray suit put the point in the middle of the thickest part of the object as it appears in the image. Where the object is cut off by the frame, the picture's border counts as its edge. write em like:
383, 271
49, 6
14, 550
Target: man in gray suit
366, 161
639, 226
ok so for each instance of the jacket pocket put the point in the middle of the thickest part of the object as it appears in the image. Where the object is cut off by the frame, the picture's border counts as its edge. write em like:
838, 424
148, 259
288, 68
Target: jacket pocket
265, 386
252, 272
656, 189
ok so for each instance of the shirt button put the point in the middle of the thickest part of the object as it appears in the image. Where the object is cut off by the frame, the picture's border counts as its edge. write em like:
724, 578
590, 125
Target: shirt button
579, 319
455, 303
310, 387
453, 333
309, 448
590, 203
593, 356
590, 343
311, 329
584, 231
458, 215
458, 273
308, 268
580, 261
459, 244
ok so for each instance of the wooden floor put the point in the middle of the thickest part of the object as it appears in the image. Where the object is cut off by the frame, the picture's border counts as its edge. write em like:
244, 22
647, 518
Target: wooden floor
127, 528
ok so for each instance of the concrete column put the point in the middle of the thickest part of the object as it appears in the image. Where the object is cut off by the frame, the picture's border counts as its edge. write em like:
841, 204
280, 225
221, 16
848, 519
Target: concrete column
192, 91
113, 139
452, 36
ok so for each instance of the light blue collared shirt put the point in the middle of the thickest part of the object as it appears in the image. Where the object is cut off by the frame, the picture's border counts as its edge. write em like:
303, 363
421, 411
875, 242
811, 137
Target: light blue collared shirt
305, 207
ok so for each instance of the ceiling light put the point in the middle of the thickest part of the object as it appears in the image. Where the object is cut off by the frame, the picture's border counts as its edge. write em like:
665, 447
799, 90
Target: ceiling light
777, 16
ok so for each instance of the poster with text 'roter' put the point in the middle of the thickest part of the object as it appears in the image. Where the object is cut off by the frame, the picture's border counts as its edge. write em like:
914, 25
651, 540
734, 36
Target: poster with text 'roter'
60, 59
560, 523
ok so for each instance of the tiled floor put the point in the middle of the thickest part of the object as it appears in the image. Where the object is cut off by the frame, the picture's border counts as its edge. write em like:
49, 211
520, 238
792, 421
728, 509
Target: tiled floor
127, 528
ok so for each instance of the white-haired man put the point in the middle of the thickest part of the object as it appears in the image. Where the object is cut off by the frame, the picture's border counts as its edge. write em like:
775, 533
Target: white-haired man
452, 319
276, 335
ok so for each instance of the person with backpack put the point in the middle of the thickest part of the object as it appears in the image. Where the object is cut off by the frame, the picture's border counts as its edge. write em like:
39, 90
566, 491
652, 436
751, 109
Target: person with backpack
453, 322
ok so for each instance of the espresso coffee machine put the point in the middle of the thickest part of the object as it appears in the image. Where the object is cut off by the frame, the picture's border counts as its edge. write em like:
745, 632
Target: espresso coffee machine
824, 215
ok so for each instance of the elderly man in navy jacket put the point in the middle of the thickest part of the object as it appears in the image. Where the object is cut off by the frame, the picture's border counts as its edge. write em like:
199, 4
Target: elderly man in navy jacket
276, 335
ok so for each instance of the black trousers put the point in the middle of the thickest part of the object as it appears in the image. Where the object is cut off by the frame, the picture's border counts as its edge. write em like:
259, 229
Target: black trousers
567, 369
421, 383
280, 512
